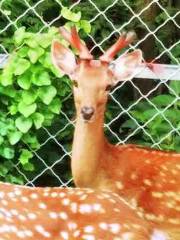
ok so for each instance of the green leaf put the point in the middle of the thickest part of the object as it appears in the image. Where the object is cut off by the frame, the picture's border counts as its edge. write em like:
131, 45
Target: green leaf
129, 124
26, 110
45, 40
41, 79
68, 14
53, 31
8, 91
14, 137
85, 25
23, 124
29, 97
48, 119
46, 94
173, 115
64, 87
6, 78
7, 153
28, 167
46, 60
14, 179
22, 52
31, 42
21, 66
25, 156
3, 128
3, 170
1, 140
13, 109
38, 120
19, 35
55, 106
162, 128
176, 51
31, 140
163, 100
146, 115
175, 85
48, 116
35, 53
24, 81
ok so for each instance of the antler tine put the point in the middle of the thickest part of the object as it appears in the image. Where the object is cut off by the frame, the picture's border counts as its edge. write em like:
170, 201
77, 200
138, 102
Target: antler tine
124, 40
75, 41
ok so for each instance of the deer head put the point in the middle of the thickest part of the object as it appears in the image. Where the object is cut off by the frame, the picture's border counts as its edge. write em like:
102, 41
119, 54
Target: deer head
93, 79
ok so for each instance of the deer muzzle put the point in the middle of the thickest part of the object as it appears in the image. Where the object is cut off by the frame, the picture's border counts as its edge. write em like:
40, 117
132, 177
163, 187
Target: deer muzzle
87, 112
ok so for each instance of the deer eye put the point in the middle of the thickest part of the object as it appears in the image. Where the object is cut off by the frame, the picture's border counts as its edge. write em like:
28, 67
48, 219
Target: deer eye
108, 87
75, 83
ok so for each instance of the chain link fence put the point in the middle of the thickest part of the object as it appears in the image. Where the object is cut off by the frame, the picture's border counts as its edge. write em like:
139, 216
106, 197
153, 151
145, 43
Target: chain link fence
123, 123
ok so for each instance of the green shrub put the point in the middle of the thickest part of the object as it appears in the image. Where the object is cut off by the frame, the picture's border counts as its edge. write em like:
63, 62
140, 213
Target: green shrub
159, 118
32, 94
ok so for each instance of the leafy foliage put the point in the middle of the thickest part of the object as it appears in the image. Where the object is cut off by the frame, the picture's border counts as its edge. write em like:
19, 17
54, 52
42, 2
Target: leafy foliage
31, 94
160, 120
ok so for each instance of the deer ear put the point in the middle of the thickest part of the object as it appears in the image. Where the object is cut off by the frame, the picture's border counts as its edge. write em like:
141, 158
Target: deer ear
63, 58
125, 67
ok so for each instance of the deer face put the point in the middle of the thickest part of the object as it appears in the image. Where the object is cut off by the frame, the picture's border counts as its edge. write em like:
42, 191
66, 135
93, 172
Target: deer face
93, 79
91, 85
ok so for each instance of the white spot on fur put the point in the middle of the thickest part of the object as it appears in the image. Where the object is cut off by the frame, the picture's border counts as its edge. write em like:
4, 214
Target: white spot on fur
42, 205
63, 215
119, 185
103, 225
32, 216
88, 237
85, 208
2, 195
53, 215
34, 196
72, 225
127, 236
65, 201
40, 229
64, 235
159, 235
89, 229
114, 228
25, 199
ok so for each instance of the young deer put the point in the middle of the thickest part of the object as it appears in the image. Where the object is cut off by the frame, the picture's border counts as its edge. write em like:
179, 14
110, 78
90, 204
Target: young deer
69, 214
147, 178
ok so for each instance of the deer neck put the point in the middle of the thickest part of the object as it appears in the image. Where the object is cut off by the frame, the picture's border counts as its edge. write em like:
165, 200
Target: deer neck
88, 146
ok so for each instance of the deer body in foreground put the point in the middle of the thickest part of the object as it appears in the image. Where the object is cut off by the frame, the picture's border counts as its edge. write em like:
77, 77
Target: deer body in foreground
147, 178
69, 214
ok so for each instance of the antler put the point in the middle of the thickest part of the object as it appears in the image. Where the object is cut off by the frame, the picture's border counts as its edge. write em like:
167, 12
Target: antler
124, 40
75, 41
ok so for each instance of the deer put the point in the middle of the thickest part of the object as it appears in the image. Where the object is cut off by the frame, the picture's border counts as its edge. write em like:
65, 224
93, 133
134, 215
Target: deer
39, 213
148, 179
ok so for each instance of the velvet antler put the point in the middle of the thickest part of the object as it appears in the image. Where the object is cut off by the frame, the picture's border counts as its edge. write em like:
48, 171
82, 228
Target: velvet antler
124, 40
75, 41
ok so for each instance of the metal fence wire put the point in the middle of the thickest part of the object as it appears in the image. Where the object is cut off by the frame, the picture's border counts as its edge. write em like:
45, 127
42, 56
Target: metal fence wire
52, 145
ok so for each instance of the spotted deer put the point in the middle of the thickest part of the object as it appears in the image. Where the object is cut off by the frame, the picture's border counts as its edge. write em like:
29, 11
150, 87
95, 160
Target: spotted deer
147, 178
69, 214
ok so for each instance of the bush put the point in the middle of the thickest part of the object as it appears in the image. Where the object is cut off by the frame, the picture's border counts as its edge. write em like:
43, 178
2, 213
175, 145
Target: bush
32, 94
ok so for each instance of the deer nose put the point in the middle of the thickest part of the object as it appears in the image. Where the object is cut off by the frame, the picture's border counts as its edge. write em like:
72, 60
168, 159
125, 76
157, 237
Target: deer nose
87, 112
